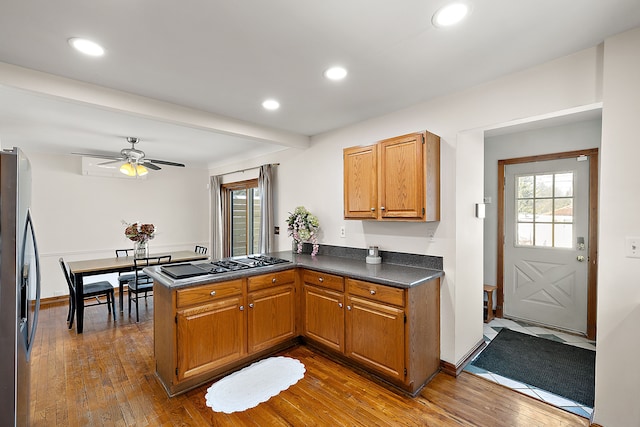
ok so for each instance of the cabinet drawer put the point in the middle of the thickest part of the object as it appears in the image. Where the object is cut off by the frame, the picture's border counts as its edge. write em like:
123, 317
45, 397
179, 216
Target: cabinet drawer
324, 280
382, 293
208, 293
272, 279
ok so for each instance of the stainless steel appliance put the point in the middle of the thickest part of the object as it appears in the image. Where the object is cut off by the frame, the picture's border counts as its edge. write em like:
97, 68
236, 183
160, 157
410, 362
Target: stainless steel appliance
19, 287
183, 271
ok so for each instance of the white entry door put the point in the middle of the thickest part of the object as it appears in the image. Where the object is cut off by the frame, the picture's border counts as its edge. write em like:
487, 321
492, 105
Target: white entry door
546, 242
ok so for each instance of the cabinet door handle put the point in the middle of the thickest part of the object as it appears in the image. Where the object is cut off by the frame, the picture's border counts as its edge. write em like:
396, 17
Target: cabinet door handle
242, 308
349, 307
212, 293
320, 279
373, 209
251, 305
273, 280
340, 304
381, 208
372, 291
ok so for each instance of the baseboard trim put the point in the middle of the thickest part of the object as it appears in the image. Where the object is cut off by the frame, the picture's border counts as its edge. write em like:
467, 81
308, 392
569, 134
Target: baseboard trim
454, 370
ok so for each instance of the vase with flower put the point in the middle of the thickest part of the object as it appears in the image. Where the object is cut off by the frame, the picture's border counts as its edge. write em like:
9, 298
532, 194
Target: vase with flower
140, 234
303, 226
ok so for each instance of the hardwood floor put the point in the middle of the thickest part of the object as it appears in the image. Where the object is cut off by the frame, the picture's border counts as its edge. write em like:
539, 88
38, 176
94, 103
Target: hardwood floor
105, 377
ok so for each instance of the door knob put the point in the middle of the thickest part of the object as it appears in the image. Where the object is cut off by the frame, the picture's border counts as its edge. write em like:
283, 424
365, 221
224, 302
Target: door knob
581, 258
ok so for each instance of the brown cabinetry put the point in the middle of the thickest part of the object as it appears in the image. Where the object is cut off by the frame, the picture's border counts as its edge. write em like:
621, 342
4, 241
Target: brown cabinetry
209, 336
271, 310
205, 331
323, 311
395, 179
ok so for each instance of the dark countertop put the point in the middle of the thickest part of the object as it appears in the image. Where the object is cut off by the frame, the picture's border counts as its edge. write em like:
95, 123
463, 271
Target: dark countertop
396, 275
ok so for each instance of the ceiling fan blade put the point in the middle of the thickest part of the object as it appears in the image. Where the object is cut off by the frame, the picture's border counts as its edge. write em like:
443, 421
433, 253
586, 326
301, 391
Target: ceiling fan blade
151, 166
164, 162
110, 162
101, 156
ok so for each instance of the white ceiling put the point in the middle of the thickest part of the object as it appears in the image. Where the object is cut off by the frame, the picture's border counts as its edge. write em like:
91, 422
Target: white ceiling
221, 59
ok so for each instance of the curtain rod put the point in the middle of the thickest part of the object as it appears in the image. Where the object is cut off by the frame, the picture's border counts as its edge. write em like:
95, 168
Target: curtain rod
248, 169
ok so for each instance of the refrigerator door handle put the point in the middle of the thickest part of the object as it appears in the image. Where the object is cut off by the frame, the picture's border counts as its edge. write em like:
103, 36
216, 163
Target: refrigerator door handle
29, 232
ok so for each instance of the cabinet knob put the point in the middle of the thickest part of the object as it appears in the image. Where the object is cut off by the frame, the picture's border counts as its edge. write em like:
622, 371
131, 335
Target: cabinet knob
373, 209
212, 293
242, 308
251, 305
372, 291
320, 279
381, 208
273, 280
349, 307
340, 304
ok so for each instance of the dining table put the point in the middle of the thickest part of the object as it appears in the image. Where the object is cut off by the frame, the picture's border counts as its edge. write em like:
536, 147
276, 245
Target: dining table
91, 267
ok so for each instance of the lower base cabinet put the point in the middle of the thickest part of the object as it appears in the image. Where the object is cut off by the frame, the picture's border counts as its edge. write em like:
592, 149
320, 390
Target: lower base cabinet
206, 331
209, 336
375, 336
389, 331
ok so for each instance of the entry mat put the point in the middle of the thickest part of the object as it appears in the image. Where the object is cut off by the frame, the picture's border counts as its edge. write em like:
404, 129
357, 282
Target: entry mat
254, 384
561, 369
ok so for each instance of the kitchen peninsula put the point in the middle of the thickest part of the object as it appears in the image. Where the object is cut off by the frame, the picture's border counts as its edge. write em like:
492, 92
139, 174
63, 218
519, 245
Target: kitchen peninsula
383, 318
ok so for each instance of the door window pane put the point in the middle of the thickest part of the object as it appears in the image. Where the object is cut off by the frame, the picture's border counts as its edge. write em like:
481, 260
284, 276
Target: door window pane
544, 210
544, 186
525, 234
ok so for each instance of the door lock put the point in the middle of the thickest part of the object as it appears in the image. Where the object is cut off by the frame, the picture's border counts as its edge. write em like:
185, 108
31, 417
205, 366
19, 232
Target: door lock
580, 258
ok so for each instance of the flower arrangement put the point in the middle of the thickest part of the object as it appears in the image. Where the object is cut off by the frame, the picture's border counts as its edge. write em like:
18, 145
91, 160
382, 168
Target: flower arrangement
303, 227
140, 233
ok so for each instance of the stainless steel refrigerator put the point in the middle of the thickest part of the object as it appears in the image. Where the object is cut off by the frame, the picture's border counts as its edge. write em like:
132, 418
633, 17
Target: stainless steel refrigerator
19, 287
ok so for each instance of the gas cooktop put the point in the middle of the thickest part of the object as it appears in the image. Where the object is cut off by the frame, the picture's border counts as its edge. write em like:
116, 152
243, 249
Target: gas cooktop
183, 271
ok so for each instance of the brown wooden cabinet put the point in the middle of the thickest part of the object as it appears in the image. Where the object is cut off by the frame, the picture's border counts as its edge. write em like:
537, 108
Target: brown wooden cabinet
375, 327
323, 311
209, 336
271, 310
395, 179
205, 331
375, 336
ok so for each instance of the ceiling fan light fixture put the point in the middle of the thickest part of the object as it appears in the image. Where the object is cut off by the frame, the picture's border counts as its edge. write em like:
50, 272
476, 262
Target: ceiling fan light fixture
127, 169
87, 47
450, 14
141, 170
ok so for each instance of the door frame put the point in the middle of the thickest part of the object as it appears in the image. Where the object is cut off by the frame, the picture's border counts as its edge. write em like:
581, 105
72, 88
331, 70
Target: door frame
592, 272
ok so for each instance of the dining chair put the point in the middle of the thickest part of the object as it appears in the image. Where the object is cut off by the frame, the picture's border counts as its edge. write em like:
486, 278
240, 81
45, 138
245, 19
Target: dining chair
90, 291
143, 284
200, 249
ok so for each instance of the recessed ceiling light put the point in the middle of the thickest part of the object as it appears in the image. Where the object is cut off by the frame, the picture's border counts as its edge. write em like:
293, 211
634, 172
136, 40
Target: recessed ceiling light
271, 104
86, 46
450, 14
335, 73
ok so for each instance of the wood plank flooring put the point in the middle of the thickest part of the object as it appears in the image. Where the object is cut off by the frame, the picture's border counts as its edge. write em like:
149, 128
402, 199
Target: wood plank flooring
105, 377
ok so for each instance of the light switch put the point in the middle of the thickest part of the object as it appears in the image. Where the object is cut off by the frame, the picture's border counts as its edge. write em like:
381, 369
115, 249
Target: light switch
632, 247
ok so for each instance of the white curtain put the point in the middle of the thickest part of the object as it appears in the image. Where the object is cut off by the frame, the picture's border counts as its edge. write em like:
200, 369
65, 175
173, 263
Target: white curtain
266, 209
217, 232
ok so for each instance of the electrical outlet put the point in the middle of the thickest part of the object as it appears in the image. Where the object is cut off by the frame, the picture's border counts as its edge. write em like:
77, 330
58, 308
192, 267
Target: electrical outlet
632, 247
343, 232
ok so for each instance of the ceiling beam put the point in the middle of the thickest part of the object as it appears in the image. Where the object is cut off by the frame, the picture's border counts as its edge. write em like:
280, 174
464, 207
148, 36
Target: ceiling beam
128, 103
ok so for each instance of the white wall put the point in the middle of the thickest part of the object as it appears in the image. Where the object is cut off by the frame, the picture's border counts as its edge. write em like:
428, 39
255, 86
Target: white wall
554, 139
78, 217
617, 369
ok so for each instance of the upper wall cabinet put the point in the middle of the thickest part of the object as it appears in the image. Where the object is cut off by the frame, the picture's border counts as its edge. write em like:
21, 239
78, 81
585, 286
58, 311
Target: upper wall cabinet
397, 179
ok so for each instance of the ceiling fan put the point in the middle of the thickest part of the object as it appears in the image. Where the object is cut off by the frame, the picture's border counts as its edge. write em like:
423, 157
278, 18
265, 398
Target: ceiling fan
135, 162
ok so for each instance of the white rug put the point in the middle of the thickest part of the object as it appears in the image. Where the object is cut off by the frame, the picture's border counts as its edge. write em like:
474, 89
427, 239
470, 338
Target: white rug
254, 384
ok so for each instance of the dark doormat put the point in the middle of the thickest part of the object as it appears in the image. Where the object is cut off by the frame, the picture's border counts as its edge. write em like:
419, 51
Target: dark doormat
561, 369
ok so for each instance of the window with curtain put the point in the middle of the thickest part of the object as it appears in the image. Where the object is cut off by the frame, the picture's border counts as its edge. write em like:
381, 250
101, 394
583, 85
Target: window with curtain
242, 215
